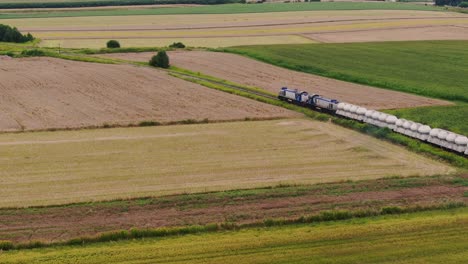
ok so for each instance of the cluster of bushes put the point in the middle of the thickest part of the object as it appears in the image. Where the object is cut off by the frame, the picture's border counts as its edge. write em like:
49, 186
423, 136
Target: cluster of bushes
160, 60
177, 45
113, 44
463, 4
12, 34
112, 3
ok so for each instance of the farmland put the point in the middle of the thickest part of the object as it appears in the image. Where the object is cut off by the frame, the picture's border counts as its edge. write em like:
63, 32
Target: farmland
401, 66
104, 158
215, 30
437, 236
61, 223
56, 90
73, 166
230, 9
268, 77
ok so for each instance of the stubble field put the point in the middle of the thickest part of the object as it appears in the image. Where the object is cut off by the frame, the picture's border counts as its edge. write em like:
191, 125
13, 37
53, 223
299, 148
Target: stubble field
71, 166
65, 94
235, 29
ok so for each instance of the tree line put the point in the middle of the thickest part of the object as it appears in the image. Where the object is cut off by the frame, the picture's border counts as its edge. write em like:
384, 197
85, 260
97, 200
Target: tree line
113, 3
12, 34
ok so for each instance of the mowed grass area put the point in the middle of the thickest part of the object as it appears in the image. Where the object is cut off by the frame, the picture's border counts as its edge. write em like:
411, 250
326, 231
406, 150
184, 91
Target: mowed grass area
229, 9
43, 168
428, 237
436, 69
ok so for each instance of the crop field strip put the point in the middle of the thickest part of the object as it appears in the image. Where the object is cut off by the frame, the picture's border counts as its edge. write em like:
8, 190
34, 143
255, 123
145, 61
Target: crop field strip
36, 170
102, 89
227, 9
408, 72
240, 207
271, 78
289, 27
435, 236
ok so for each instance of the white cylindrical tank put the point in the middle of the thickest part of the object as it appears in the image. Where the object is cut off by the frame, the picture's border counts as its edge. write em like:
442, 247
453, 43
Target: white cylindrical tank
368, 116
360, 112
375, 117
340, 108
414, 130
442, 136
406, 127
399, 125
450, 140
424, 131
352, 111
346, 109
433, 135
391, 122
381, 122
462, 143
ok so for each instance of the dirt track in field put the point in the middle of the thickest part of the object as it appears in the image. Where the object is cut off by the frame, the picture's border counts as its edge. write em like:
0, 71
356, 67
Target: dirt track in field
250, 72
66, 222
45, 93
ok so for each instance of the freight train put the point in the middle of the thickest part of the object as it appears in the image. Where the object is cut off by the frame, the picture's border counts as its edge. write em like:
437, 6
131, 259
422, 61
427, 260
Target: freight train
440, 137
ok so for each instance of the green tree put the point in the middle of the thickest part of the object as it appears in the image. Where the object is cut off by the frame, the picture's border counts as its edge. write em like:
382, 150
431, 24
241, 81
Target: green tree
113, 44
160, 60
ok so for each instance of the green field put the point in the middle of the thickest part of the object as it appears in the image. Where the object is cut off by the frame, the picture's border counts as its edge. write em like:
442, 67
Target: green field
428, 237
228, 9
453, 118
431, 68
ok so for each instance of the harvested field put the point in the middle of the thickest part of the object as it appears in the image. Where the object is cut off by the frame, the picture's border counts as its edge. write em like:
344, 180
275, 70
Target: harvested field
65, 94
51, 224
453, 32
271, 78
44, 168
281, 27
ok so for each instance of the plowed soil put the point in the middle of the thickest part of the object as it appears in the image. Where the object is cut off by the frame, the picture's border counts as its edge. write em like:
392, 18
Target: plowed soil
245, 206
45, 93
250, 72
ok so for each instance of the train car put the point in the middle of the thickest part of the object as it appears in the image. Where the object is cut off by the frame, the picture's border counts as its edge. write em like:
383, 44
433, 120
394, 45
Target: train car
303, 98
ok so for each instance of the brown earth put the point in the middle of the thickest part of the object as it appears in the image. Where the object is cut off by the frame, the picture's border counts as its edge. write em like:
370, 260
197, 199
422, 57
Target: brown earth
45, 93
453, 32
250, 72
66, 222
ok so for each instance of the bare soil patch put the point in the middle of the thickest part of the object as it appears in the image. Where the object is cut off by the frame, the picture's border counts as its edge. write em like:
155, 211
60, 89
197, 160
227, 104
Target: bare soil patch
45, 93
250, 72
246, 206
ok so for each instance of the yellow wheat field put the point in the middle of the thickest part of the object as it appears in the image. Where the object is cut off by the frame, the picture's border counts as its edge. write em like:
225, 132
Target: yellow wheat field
74, 166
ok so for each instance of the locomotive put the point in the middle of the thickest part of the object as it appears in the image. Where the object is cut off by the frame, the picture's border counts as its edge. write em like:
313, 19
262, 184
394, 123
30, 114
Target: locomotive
313, 101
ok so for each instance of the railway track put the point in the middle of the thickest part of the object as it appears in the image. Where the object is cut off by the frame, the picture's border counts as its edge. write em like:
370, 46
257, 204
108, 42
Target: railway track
232, 86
